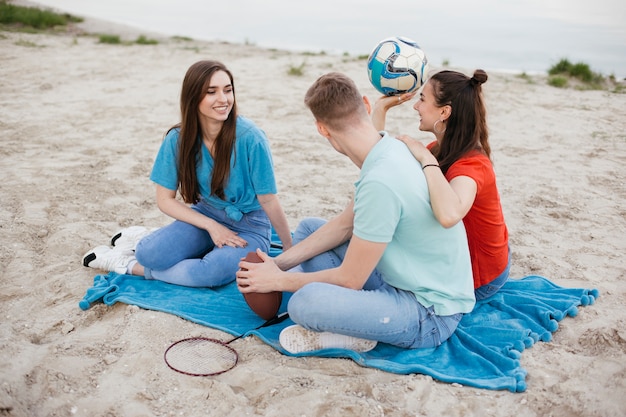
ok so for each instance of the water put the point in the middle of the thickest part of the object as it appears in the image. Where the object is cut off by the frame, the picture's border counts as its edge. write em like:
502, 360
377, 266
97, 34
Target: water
504, 35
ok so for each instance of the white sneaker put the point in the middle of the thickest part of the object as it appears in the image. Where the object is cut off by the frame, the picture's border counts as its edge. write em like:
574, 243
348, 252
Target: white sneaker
107, 259
128, 238
296, 339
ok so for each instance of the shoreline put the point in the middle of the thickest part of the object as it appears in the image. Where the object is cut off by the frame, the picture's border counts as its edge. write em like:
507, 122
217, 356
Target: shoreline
82, 122
438, 58
92, 26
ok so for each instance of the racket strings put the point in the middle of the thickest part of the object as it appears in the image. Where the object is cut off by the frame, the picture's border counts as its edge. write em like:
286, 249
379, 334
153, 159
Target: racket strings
203, 356
200, 356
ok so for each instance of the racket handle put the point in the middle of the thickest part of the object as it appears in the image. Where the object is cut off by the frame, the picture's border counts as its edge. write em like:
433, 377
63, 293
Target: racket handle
275, 320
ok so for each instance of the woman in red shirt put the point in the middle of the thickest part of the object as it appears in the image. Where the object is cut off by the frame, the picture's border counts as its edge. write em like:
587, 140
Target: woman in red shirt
458, 169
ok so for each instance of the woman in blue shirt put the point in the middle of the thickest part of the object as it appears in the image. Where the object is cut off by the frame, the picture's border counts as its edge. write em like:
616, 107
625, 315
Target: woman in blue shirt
221, 165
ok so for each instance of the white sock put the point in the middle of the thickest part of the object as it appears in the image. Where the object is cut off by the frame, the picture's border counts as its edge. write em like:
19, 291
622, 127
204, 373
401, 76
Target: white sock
129, 268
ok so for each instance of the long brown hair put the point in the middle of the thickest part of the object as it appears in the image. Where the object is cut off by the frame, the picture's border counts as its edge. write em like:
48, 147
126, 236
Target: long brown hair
195, 85
466, 128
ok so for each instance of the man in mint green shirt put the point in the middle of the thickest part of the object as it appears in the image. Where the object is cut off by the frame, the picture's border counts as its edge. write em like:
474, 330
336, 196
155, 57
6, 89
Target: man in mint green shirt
384, 270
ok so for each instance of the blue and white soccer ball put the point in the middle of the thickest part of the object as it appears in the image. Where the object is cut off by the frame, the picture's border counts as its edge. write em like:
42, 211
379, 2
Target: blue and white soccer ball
397, 65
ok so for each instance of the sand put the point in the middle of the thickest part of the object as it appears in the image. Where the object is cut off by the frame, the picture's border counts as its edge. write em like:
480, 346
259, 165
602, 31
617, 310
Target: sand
81, 123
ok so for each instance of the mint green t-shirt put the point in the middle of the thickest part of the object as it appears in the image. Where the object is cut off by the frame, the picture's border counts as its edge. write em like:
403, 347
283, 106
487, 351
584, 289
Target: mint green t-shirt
392, 205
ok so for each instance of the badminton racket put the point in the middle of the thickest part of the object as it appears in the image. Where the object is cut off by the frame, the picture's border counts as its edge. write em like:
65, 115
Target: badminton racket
204, 356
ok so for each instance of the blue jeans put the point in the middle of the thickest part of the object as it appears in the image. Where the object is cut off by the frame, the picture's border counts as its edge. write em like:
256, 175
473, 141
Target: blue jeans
183, 254
492, 287
379, 311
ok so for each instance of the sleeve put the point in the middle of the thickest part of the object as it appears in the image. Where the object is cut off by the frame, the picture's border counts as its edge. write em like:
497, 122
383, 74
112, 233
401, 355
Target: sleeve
261, 165
164, 170
377, 212
469, 167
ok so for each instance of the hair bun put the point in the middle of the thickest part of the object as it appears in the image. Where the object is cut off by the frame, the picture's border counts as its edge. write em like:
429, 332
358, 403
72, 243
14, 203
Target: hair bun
479, 77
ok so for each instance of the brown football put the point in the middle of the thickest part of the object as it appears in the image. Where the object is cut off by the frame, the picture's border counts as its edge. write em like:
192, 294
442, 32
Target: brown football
264, 304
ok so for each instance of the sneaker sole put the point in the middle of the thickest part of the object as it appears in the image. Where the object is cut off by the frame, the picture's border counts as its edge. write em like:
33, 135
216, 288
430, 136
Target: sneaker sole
297, 339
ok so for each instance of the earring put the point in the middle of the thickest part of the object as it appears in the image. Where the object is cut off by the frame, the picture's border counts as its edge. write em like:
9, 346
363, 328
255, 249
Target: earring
439, 132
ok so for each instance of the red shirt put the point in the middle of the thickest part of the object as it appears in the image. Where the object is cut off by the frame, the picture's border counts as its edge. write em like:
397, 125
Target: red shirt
487, 234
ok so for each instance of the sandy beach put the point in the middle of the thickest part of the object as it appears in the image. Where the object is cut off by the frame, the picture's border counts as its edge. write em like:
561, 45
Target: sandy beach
81, 124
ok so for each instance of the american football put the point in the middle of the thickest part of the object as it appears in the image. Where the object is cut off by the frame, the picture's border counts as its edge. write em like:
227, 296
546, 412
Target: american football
265, 305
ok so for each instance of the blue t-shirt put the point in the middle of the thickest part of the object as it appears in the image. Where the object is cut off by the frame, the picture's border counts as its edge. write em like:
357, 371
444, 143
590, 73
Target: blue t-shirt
251, 170
392, 205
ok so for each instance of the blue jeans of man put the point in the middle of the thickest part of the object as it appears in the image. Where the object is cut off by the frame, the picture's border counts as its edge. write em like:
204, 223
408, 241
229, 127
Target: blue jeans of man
183, 254
379, 311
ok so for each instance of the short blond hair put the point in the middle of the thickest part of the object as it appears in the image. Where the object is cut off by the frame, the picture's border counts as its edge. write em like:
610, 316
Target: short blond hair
334, 100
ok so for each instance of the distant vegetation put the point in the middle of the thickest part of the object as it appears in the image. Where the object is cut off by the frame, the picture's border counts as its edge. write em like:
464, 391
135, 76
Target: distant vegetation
296, 71
564, 73
182, 38
115, 40
110, 39
142, 40
27, 19
32, 17
526, 77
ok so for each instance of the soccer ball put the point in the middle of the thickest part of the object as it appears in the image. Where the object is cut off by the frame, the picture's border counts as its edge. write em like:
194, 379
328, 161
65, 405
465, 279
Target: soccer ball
397, 65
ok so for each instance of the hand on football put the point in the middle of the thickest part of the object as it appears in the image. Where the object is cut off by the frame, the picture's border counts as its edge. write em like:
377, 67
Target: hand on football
258, 276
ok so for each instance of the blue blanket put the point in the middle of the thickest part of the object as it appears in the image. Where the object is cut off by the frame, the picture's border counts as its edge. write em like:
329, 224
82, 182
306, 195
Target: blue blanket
484, 351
